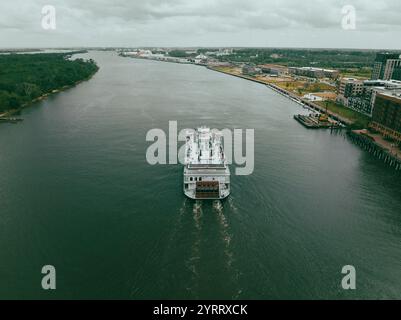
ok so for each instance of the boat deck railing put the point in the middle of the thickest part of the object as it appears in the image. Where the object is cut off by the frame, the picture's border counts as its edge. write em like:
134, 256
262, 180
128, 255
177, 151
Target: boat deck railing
207, 166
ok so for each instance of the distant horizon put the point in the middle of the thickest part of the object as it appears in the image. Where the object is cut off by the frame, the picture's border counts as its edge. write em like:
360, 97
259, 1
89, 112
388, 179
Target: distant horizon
195, 47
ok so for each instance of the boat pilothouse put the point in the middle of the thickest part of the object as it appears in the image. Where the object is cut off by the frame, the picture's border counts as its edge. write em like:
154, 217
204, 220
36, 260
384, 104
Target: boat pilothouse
206, 173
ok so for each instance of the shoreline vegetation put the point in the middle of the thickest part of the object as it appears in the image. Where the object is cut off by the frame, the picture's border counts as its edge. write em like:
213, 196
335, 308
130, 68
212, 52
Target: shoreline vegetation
356, 123
270, 66
29, 78
346, 60
349, 117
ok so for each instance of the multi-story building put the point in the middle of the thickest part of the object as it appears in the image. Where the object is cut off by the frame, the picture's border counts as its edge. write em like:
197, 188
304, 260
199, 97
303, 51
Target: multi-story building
314, 72
332, 74
350, 87
250, 70
397, 73
361, 104
384, 65
361, 95
274, 69
389, 69
386, 116
350, 90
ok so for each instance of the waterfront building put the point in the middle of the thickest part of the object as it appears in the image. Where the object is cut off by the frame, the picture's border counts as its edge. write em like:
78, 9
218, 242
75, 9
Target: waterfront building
386, 117
145, 53
361, 104
201, 59
350, 92
382, 84
274, 69
311, 72
350, 87
360, 96
384, 65
250, 70
389, 69
397, 73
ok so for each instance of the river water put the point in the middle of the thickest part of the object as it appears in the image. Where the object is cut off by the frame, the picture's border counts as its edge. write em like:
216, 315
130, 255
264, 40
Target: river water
76, 192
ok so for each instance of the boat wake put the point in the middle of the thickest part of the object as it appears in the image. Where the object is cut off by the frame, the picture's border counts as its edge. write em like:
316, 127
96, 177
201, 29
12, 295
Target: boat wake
193, 262
197, 211
224, 230
218, 208
232, 205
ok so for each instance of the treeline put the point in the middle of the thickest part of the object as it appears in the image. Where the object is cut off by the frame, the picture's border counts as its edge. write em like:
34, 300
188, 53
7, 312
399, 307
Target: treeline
178, 54
342, 59
24, 77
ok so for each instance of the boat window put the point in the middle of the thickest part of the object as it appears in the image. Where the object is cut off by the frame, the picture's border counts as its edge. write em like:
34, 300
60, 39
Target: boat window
190, 179
200, 179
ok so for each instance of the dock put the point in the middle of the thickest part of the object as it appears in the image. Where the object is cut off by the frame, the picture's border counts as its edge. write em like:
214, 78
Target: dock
312, 122
292, 96
377, 146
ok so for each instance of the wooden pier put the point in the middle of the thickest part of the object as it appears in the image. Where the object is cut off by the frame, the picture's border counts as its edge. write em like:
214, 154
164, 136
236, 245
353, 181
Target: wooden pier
369, 144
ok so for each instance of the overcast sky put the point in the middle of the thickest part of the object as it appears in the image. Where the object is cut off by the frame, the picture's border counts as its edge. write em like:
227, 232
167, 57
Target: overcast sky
264, 23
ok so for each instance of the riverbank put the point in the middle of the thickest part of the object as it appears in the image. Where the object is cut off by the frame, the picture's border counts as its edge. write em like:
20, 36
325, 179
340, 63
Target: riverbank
12, 112
373, 143
378, 146
29, 78
292, 96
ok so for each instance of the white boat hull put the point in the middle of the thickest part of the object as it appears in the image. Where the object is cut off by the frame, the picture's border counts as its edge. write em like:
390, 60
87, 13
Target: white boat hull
206, 173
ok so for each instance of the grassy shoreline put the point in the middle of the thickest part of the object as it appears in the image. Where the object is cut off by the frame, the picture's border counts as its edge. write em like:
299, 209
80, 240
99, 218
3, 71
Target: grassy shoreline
359, 120
355, 119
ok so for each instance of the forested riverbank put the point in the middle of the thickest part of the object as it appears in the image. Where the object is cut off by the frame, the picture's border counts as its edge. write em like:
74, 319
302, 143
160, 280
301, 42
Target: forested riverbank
26, 78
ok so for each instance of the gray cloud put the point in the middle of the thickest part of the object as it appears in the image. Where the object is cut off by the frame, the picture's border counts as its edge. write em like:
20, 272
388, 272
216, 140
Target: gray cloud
315, 23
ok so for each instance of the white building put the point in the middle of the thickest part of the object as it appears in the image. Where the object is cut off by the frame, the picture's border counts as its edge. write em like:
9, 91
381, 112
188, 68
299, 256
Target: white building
312, 97
201, 59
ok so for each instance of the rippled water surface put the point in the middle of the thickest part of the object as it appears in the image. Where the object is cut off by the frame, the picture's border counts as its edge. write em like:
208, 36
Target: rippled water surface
76, 192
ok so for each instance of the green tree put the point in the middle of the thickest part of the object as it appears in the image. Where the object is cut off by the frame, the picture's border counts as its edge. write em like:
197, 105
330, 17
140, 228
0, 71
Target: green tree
24, 77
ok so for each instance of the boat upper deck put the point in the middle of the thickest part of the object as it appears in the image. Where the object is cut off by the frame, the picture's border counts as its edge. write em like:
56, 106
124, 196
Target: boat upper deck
204, 149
